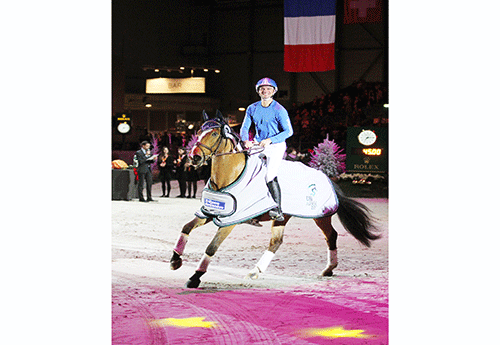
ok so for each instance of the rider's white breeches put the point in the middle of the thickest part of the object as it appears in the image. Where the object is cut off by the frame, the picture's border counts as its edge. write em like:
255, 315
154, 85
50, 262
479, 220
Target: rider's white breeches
274, 154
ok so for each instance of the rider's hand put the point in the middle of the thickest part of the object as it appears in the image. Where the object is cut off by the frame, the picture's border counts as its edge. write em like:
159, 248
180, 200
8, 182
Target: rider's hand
265, 142
248, 144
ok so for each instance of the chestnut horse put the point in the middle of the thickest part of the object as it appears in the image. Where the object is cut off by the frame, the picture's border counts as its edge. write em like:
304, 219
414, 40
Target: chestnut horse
217, 141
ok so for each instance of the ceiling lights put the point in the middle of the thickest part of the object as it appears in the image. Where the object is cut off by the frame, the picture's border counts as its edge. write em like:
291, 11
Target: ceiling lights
179, 69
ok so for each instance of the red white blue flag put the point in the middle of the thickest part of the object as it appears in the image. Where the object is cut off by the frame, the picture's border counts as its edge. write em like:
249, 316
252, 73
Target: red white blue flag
309, 35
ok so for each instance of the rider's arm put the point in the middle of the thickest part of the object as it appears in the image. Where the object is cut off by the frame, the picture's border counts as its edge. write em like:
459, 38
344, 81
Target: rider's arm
245, 126
285, 126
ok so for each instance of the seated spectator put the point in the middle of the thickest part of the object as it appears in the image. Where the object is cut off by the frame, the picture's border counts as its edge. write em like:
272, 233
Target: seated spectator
291, 154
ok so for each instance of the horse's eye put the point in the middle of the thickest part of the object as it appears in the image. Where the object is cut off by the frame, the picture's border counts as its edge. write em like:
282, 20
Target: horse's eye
214, 134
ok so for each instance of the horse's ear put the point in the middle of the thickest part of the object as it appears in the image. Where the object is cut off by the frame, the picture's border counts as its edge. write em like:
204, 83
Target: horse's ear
218, 115
226, 131
204, 115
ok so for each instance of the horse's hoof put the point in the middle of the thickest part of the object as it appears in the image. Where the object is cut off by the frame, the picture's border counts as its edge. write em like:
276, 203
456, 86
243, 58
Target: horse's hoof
328, 272
175, 261
192, 283
253, 274
175, 264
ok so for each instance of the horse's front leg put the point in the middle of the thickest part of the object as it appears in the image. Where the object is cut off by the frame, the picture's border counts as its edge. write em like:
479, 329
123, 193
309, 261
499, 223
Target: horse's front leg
277, 230
194, 281
176, 260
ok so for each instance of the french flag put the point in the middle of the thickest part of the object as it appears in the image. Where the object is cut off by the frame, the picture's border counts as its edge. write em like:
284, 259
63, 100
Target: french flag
309, 35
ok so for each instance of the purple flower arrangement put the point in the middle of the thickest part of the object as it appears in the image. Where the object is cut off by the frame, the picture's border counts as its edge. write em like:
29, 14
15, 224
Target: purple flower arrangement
327, 157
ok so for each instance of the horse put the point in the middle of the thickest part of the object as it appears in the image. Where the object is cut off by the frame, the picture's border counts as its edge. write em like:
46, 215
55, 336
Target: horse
218, 142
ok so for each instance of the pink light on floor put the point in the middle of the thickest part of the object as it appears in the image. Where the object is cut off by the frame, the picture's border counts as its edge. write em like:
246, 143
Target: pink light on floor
183, 323
333, 332
314, 314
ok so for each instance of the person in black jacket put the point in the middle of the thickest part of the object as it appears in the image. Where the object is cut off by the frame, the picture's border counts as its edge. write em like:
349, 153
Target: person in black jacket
192, 177
166, 166
180, 164
144, 161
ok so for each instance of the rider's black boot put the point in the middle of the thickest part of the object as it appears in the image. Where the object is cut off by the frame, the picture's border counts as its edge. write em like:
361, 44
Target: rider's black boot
274, 189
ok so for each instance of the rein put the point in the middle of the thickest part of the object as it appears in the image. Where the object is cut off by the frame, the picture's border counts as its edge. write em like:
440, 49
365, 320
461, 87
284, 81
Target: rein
215, 147
249, 151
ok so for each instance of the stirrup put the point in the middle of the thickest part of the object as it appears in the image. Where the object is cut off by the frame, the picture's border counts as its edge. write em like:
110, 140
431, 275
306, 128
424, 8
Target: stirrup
276, 214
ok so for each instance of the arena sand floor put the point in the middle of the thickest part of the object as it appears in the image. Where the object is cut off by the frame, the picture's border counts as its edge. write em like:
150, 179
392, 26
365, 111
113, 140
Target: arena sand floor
289, 304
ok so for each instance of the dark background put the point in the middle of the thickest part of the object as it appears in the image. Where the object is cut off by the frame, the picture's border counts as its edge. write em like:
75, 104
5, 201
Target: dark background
243, 39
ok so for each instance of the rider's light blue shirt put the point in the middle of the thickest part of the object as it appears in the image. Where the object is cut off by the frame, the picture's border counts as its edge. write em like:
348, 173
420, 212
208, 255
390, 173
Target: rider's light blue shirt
270, 122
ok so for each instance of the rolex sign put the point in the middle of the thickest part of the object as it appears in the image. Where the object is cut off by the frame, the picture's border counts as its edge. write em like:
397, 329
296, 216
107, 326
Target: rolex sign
367, 150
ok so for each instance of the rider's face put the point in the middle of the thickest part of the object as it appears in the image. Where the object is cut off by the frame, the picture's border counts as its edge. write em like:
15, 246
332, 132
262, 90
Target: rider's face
266, 91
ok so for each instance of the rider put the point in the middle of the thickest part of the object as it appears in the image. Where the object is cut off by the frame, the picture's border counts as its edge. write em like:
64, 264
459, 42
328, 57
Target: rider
272, 127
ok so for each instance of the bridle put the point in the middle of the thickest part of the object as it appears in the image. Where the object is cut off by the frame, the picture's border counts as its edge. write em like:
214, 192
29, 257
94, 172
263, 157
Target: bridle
212, 124
210, 149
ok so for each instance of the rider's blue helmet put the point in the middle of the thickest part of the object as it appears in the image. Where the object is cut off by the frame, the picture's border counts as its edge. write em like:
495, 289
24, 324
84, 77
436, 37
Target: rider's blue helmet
267, 82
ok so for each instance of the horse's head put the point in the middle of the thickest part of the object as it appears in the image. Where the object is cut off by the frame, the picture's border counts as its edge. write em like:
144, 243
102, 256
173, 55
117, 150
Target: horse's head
213, 138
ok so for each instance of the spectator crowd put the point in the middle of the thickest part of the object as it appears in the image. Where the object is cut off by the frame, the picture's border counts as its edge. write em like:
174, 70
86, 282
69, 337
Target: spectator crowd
360, 104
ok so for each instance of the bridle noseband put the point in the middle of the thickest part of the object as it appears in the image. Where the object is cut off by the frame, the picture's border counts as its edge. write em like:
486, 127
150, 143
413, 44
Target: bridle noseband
210, 149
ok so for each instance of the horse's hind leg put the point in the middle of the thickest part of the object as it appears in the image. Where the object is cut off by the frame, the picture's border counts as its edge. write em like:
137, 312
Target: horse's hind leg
194, 281
325, 224
176, 260
277, 230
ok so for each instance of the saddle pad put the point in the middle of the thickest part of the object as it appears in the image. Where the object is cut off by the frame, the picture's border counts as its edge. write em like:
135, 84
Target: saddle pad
305, 192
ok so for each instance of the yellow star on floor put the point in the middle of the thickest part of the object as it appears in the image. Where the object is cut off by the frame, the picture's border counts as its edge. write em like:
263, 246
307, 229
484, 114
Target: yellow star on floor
334, 332
184, 323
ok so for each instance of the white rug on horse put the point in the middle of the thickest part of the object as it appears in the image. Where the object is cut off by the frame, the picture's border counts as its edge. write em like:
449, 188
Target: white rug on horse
305, 192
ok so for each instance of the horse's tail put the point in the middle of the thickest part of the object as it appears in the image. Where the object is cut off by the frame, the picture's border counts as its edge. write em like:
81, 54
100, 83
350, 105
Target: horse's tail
356, 218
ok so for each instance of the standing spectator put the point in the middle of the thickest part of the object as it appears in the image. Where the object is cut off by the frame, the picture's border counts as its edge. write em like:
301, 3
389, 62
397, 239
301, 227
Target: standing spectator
192, 178
180, 164
166, 166
144, 161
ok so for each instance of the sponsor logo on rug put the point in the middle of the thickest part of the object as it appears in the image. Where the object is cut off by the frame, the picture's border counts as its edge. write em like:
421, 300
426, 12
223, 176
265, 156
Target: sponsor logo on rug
218, 205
